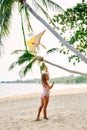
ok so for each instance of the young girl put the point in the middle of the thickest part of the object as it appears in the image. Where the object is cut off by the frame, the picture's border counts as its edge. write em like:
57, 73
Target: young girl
45, 95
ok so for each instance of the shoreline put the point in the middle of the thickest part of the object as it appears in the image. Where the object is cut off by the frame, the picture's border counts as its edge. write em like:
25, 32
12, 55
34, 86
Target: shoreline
70, 91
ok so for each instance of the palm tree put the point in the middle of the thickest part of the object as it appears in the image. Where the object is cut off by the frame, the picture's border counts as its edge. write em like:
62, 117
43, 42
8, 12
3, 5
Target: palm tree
4, 21
26, 56
28, 59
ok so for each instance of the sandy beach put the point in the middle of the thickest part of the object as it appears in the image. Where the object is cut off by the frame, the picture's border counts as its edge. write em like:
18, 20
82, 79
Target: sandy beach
67, 110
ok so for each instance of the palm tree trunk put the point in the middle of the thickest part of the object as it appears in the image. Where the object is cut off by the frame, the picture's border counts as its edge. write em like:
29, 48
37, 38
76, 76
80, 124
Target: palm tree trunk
68, 45
70, 71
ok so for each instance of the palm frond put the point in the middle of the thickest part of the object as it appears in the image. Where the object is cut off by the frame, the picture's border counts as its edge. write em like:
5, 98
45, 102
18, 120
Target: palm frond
1, 48
23, 30
28, 19
52, 50
43, 46
27, 68
50, 4
5, 15
43, 11
44, 3
54, 5
18, 51
12, 65
25, 57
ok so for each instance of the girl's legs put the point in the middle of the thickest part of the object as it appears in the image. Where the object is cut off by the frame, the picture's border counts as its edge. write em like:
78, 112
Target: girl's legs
46, 101
39, 110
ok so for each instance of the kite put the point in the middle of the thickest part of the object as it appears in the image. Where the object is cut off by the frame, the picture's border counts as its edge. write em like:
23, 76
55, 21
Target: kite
34, 42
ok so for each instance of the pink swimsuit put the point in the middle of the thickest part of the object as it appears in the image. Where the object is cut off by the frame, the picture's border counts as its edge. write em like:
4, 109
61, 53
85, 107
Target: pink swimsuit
45, 92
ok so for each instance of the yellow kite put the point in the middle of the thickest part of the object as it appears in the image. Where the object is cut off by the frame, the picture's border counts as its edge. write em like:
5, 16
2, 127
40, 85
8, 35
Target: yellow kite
34, 42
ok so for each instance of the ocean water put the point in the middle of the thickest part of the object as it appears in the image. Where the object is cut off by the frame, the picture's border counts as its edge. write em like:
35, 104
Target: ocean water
15, 89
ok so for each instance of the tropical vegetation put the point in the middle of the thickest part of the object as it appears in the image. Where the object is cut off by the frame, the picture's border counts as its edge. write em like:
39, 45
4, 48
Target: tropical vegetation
27, 58
72, 25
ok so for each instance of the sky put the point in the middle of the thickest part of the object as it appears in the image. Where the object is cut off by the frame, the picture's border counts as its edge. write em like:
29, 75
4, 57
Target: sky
14, 41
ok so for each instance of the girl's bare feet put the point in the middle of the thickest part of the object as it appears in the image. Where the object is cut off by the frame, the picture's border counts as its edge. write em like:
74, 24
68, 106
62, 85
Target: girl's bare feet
37, 119
46, 118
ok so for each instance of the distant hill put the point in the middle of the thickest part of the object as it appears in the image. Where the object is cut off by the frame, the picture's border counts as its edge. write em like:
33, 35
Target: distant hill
67, 80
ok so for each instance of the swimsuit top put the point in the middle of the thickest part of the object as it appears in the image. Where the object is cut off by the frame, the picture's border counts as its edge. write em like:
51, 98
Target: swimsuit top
46, 91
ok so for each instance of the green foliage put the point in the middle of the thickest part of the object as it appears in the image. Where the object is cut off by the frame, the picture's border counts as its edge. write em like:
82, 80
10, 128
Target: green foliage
45, 6
27, 59
27, 68
52, 50
24, 9
48, 5
28, 18
72, 25
42, 67
5, 14
81, 79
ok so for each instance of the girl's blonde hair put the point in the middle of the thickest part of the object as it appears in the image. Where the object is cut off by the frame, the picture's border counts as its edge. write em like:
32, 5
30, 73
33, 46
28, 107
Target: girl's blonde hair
43, 77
